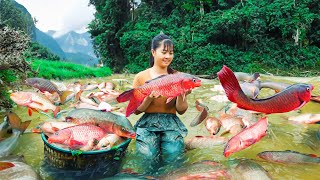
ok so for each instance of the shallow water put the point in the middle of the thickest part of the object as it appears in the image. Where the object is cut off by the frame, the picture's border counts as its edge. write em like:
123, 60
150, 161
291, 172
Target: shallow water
282, 135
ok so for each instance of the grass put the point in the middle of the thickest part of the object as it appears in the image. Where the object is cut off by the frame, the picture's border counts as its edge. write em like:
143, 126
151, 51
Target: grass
65, 70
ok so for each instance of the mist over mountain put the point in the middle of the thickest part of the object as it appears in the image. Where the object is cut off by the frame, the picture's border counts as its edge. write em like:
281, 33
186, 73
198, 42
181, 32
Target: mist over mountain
77, 46
72, 46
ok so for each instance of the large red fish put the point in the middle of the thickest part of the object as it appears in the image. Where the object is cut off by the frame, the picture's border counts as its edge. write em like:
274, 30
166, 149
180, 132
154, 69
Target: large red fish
170, 86
247, 137
77, 136
291, 98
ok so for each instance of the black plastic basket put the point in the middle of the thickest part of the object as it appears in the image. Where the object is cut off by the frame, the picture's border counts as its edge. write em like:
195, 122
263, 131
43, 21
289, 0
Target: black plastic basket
109, 159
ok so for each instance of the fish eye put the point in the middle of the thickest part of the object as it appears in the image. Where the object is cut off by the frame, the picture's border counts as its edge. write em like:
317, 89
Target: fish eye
194, 80
308, 89
56, 133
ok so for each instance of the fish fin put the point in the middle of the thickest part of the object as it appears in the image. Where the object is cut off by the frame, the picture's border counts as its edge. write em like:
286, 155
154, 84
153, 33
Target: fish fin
200, 117
55, 129
224, 133
36, 130
56, 111
75, 144
132, 106
169, 99
78, 95
5, 165
250, 141
183, 96
313, 155
304, 102
156, 78
64, 96
15, 122
125, 96
229, 83
29, 111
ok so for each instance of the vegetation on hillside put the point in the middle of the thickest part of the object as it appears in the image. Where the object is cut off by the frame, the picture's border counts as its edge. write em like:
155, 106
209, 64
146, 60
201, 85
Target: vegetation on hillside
65, 70
279, 37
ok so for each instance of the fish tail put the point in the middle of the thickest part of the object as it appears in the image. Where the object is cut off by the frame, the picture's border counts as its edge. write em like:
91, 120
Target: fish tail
229, 83
133, 105
56, 111
15, 122
125, 96
63, 96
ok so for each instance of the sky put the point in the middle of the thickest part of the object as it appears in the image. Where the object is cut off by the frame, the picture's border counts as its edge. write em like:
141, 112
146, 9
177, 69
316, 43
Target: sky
60, 15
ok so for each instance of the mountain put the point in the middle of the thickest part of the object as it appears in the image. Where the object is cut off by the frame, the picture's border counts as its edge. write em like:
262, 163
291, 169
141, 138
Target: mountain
47, 41
77, 46
73, 42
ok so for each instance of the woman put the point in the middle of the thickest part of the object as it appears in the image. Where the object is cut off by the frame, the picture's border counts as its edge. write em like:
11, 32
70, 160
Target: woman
159, 131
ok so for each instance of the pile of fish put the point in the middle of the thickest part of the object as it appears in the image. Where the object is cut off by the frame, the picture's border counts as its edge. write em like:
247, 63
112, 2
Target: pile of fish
88, 129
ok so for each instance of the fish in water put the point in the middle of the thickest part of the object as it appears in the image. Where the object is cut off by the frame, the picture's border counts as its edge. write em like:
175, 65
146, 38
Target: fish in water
203, 113
18, 127
241, 76
213, 125
289, 157
247, 137
14, 167
248, 169
291, 98
34, 101
77, 136
204, 142
307, 118
170, 86
199, 170
46, 85
110, 122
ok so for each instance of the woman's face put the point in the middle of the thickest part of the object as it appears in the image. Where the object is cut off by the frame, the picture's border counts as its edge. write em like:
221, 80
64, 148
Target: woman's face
163, 55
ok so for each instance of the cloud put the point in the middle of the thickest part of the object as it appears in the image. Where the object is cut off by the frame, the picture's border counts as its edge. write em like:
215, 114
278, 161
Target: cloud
60, 15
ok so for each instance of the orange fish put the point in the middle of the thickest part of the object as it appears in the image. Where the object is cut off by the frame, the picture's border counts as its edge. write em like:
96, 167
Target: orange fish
34, 101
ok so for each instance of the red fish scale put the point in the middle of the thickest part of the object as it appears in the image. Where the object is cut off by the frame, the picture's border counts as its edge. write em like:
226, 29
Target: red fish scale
84, 133
167, 86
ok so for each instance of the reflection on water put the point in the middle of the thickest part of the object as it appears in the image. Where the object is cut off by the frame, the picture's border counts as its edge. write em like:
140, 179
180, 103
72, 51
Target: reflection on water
282, 135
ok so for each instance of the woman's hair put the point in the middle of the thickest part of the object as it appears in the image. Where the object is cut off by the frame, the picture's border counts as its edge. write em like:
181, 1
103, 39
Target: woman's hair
156, 43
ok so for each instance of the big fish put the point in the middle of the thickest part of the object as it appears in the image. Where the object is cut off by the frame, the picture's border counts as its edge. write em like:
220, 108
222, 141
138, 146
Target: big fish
204, 142
247, 137
170, 86
34, 101
291, 98
199, 170
110, 122
14, 167
46, 85
18, 127
248, 169
289, 157
77, 136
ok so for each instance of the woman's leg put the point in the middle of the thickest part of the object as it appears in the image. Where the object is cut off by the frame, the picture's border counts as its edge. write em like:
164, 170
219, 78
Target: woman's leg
172, 147
148, 148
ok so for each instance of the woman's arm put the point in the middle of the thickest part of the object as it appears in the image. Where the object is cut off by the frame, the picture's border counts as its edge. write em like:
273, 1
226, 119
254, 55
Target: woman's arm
182, 105
146, 102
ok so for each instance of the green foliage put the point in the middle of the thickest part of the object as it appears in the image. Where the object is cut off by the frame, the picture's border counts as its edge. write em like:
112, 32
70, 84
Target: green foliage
65, 70
250, 36
38, 51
